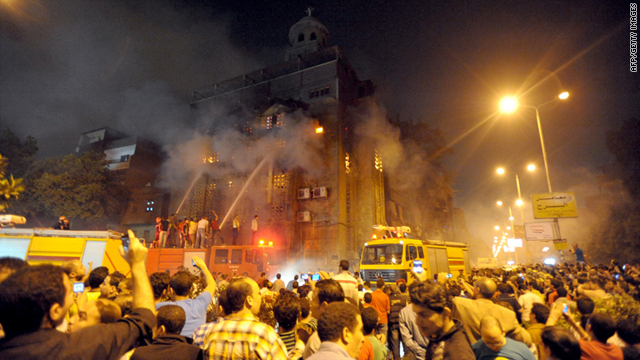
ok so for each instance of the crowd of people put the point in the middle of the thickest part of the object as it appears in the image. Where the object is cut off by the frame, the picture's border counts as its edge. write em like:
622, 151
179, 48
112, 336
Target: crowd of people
530, 312
198, 233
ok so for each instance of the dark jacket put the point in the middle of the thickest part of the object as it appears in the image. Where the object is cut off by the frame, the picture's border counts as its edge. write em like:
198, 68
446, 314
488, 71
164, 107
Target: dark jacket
169, 347
109, 341
514, 304
456, 344
398, 302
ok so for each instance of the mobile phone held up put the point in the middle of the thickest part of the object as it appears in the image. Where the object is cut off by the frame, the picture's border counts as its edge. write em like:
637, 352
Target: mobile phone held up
305, 277
315, 277
417, 267
449, 276
78, 287
565, 309
125, 243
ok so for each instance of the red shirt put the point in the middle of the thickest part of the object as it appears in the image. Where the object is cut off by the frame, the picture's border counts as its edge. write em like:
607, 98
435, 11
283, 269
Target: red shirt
214, 225
366, 352
595, 350
380, 301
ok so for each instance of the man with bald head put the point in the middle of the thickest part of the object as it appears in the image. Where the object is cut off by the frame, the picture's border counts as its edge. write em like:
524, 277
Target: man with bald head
471, 313
74, 269
494, 344
241, 335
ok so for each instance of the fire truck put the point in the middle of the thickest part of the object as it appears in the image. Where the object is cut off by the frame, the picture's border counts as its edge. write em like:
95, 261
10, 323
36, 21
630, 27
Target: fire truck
393, 256
39, 246
232, 259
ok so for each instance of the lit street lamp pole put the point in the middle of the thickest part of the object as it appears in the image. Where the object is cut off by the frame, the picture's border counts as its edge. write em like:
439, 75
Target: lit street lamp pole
509, 105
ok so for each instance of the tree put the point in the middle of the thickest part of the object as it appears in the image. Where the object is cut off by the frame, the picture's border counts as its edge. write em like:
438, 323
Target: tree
78, 187
617, 234
9, 188
624, 145
20, 152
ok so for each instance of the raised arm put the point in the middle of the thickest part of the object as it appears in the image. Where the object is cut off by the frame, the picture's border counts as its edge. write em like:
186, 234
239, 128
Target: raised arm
211, 283
137, 257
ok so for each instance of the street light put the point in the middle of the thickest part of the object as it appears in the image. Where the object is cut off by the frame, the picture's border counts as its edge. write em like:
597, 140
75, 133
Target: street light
499, 203
497, 227
519, 202
506, 109
510, 104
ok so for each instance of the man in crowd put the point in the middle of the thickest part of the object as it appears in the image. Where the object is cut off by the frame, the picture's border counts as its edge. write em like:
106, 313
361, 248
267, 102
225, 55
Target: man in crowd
432, 306
340, 329
201, 235
35, 299
600, 327
494, 344
290, 283
160, 285
95, 312
506, 294
286, 310
594, 289
415, 343
380, 301
109, 287
240, 335
579, 254
235, 228
349, 283
538, 318
195, 309
254, 230
560, 344
398, 302
168, 343
75, 270
215, 230
164, 232
193, 228
526, 300
9, 265
96, 279
326, 291
278, 284
369, 323
472, 311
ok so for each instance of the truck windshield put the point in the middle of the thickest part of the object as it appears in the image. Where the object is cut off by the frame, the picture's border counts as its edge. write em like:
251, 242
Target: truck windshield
382, 254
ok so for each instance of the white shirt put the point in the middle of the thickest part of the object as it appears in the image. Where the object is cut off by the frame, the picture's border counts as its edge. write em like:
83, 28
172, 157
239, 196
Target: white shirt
254, 225
527, 300
203, 224
348, 283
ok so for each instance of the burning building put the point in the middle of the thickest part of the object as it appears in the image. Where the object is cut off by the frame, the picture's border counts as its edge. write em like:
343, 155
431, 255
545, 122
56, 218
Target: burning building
321, 209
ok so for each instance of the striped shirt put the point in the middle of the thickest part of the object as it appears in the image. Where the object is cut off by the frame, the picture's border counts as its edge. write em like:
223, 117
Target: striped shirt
243, 337
289, 339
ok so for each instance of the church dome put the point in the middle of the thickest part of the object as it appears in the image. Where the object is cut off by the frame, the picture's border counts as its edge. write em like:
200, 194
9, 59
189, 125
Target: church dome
307, 30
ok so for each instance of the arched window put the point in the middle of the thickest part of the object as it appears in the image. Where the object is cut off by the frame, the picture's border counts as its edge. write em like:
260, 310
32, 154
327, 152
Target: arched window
313, 36
300, 37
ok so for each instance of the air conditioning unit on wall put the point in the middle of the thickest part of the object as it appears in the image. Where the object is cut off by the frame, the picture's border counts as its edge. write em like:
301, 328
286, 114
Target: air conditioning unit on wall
304, 193
320, 192
304, 216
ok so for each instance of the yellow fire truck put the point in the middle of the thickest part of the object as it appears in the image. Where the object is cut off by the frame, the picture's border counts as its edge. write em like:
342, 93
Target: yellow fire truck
392, 257
38, 246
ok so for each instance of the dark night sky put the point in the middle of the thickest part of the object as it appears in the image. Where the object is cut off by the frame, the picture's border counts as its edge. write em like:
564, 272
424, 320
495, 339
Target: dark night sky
70, 66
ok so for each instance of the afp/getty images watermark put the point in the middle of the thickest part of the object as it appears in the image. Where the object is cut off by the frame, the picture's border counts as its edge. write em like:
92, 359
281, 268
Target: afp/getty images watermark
633, 37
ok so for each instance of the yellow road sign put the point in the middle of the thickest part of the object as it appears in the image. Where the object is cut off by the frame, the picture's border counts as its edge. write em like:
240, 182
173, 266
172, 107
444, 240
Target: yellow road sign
554, 205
